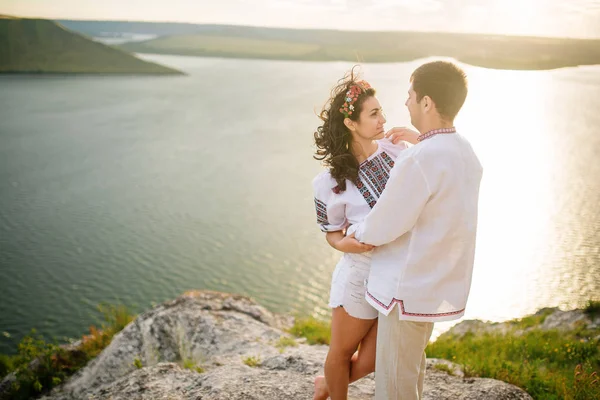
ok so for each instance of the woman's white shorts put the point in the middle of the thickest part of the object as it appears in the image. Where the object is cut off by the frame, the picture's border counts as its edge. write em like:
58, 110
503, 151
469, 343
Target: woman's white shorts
349, 285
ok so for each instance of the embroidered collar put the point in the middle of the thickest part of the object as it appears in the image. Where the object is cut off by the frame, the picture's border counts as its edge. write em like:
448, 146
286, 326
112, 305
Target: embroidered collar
434, 132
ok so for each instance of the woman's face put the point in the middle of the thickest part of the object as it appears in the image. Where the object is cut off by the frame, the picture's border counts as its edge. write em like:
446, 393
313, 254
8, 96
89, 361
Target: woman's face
371, 120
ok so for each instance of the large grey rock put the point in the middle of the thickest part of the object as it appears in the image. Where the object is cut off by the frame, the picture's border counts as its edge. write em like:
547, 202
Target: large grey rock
555, 319
218, 332
568, 320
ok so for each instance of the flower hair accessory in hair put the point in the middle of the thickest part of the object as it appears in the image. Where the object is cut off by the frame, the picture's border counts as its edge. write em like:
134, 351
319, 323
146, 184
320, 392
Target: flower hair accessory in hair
352, 95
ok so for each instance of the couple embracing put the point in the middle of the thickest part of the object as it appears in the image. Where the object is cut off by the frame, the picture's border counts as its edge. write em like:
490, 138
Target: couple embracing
402, 208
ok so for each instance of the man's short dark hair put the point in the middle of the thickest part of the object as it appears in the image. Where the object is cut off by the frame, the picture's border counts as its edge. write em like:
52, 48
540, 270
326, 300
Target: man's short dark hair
445, 83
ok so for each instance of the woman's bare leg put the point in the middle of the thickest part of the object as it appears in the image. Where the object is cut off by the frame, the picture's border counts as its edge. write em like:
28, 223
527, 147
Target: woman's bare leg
362, 363
346, 334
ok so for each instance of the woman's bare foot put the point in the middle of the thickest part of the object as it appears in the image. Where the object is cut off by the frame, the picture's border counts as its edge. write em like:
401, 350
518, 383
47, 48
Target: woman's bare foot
321, 392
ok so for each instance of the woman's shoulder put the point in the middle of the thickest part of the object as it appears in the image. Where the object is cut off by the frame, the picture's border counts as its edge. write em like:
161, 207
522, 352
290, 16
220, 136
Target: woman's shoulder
323, 181
325, 184
322, 177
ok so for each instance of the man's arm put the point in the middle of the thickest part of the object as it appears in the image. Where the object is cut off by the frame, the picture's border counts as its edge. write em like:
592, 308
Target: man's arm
399, 206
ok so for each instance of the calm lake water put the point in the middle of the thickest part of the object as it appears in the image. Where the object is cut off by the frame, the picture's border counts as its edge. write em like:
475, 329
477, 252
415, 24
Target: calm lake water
133, 190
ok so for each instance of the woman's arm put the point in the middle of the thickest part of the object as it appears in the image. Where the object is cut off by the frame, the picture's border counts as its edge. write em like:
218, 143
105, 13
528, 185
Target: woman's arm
346, 244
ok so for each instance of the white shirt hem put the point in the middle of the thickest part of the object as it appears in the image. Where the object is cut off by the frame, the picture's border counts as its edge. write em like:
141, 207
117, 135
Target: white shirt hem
406, 316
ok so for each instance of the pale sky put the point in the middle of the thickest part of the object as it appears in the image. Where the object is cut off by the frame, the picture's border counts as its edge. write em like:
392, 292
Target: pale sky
573, 18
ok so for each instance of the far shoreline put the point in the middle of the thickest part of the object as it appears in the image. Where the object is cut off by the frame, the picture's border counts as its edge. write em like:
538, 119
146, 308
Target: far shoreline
258, 58
105, 74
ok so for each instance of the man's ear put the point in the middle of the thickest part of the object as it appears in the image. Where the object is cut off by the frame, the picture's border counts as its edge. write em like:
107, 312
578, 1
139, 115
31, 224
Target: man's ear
427, 104
349, 124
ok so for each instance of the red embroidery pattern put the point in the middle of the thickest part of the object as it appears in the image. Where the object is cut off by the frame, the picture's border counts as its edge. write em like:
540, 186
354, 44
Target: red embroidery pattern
404, 312
321, 212
374, 174
366, 193
434, 132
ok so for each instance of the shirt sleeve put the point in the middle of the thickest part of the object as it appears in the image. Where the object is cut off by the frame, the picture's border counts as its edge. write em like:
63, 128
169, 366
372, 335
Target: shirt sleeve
399, 206
331, 212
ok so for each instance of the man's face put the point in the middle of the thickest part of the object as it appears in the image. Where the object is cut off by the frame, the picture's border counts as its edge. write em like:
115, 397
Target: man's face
414, 107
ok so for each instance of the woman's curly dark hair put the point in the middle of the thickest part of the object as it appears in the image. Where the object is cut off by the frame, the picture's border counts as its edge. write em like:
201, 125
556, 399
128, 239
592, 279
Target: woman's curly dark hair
333, 139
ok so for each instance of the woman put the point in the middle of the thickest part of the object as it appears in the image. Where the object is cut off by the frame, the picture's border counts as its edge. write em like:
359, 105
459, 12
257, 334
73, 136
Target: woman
351, 144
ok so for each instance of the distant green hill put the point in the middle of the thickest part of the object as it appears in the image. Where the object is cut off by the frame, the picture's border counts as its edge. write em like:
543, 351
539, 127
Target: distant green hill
41, 46
487, 51
493, 51
101, 28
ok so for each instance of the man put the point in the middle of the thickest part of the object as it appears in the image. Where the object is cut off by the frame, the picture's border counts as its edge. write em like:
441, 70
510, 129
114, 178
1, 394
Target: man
425, 224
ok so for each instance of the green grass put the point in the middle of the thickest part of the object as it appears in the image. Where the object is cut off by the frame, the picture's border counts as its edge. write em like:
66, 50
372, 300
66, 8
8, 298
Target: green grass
549, 365
315, 331
7, 364
55, 363
251, 361
444, 368
592, 308
191, 365
137, 363
285, 341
